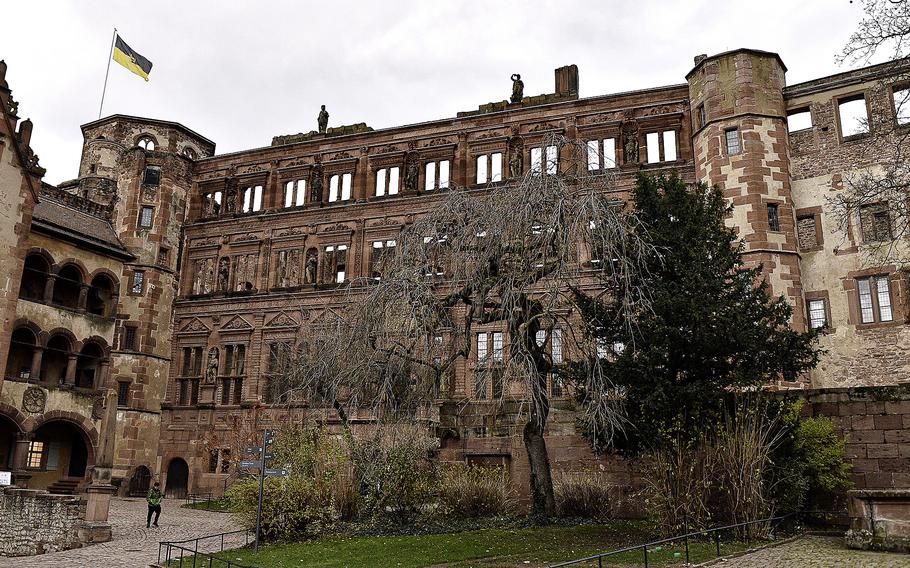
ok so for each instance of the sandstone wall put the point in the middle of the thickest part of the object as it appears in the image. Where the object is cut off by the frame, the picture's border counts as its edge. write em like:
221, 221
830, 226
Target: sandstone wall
35, 522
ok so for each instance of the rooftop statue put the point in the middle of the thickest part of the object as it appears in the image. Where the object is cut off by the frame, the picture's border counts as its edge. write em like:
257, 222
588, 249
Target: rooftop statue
518, 88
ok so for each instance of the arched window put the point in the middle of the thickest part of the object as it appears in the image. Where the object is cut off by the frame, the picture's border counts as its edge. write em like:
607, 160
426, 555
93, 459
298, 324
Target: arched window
21, 353
88, 366
67, 286
146, 142
34, 277
55, 358
100, 300
190, 153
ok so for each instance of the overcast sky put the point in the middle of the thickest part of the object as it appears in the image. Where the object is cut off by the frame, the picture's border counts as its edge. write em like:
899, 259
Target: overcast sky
242, 72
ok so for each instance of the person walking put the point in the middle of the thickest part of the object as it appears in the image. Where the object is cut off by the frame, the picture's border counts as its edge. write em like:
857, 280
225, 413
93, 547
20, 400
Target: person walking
154, 500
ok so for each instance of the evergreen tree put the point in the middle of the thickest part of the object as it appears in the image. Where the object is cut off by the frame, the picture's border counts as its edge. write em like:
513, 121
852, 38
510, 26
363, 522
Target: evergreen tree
712, 326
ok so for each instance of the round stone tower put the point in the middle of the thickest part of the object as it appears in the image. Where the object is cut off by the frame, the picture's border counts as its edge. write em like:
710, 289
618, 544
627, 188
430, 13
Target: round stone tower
740, 144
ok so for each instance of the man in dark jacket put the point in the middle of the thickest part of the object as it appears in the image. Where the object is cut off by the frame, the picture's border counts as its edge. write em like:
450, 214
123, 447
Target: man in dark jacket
154, 500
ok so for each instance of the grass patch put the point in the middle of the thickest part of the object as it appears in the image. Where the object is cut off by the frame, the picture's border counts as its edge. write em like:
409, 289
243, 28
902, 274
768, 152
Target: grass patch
490, 548
219, 505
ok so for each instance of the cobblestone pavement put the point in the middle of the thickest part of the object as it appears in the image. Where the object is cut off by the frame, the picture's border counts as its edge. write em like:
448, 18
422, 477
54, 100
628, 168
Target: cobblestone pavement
816, 552
133, 545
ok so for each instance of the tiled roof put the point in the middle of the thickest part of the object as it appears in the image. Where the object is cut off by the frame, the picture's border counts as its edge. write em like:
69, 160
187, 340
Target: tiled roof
77, 224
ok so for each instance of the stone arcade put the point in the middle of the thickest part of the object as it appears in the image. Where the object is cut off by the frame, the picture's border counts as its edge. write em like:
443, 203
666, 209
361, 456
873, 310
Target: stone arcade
150, 297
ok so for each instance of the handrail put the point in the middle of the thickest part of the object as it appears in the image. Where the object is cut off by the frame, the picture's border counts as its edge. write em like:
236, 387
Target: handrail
644, 547
170, 548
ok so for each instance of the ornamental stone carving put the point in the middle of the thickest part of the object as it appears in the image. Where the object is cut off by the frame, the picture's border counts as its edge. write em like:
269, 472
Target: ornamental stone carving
33, 400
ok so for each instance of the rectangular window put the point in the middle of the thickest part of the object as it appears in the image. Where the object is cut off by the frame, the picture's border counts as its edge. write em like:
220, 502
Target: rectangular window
226, 391
482, 169
669, 145
295, 193
434, 169
536, 161
346, 180
497, 346
902, 106
123, 394
489, 168
593, 155
552, 160
702, 117
336, 260
773, 217
379, 248
138, 281
496, 167
818, 315
146, 213
609, 152
35, 454
875, 222
653, 145
183, 392
252, 199
129, 338
187, 361
197, 362
340, 187
854, 116
387, 181
444, 174
733, 143
164, 254
152, 176
807, 233
194, 392
481, 348
799, 119
874, 299
556, 346
430, 178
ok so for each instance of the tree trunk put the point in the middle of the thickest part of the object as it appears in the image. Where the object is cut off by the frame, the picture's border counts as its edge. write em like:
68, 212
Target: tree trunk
542, 500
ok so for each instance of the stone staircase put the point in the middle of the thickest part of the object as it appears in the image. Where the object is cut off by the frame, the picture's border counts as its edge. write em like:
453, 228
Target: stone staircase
64, 486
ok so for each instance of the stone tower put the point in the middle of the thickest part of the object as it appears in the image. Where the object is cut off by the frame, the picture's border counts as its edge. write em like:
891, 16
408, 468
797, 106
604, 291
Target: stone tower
141, 170
740, 145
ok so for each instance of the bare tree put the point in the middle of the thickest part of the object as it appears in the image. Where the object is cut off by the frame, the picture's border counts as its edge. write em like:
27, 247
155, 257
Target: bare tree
498, 260
877, 197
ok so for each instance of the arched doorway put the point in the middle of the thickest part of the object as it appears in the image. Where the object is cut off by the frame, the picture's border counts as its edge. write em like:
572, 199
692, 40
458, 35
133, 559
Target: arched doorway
139, 482
88, 365
58, 457
55, 359
8, 432
21, 354
178, 475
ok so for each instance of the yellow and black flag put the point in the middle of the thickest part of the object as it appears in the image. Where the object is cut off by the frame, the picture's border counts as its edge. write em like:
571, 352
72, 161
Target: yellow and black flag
124, 55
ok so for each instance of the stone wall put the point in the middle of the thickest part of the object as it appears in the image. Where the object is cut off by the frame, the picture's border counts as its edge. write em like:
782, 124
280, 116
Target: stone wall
877, 421
35, 522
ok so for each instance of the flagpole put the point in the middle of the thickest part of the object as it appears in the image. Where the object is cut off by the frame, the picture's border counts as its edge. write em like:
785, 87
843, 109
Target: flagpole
106, 73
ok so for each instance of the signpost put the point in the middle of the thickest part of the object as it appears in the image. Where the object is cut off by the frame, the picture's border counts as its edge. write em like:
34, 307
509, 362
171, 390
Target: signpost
268, 437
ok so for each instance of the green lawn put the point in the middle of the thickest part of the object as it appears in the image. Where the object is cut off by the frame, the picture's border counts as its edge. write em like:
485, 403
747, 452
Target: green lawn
491, 548
221, 505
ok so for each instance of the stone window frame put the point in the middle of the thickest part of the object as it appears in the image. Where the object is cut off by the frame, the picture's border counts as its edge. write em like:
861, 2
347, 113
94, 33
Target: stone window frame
488, 363
151, 217
125, 330
825, 297
193, 379
143, 139
739, 141
898, 86
845, 98
807, 108
132, 282
882, 207
145, 175
816, 214
780, 206
436, 154
123, 398
489, 146
266, 361
897, 291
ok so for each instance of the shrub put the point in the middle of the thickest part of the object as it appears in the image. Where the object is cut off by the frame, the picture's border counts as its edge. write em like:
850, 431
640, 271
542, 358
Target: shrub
473, 491
395, 472
587, 494
292, 508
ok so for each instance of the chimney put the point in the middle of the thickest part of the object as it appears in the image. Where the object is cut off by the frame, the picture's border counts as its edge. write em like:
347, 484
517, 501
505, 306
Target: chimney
25, 132
567, 81
700, 58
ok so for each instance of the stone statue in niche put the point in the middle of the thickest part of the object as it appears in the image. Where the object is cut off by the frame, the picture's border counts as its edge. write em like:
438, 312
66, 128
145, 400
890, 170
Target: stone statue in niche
229, 200
311, 267
518, 88
323, 120
630, 143
316, 184
211, 368
412, 172
516, 161
224, 272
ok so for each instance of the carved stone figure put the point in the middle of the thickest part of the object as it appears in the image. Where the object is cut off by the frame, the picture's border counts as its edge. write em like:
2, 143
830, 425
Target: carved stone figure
516, 161
224, 272
316, 184
412, 172
33, 400
630, 142
518, 88
211, 368
323, 120
311, 268
229, 200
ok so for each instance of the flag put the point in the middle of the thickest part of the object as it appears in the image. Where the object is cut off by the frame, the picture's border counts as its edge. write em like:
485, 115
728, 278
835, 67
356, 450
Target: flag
125, 56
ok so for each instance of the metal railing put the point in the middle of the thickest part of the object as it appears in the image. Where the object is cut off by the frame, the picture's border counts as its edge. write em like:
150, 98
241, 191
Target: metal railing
713, 533
186, 553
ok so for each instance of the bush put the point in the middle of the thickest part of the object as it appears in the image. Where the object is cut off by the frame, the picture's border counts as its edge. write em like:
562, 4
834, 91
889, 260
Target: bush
473, 491
395, 472
292, 508
588, 495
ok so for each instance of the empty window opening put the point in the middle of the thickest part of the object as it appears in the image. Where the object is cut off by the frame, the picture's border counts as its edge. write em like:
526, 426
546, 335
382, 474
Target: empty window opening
545, 159
340, 187
601, 154
818, 315
902, 105
734, 146
67, 287
252, 199
380, 248
190, 153
799, 119
773, 217
437, 175
152, 176
702, 117
146, 213
661, 146
489, 167
335, 261
387, 181
295, 193
146, 143
807, 232
875, 223
854, 116
669, 146
212, 204
34, 277
100, 298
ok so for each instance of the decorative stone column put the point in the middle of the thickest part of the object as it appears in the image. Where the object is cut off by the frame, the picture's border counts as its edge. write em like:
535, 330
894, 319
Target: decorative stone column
21, 475
96, 527
83, 297
70, 378
49, 288
35, 372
